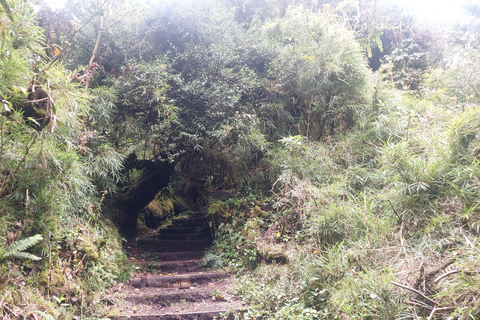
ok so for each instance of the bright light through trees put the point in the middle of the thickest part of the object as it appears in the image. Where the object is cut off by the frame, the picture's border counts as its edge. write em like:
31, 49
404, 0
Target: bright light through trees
434, 10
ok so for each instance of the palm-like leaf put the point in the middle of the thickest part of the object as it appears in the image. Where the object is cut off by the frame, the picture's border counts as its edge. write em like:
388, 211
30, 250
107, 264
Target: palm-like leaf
7, 9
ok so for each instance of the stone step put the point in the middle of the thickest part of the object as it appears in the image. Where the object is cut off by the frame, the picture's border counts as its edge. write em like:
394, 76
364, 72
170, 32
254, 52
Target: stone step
222, 195
195, 315
187, 236
182, 281
181, 266
190, 219
174, 256
178, 230
168, 297
187, 224
169, 283
166, 300
155, 245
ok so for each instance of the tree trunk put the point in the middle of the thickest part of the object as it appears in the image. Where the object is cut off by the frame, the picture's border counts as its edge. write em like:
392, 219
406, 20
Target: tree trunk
156, 177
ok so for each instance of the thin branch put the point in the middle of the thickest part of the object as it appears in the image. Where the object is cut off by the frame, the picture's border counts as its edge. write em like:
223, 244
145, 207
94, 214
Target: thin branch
57, 163
2, 120
7, 280
433, 272
25, 156
97, 41
416, 304
435, 309
95, 49
432, 313
366, 217
10, 310
69, 40
467, 81
390, 131
446, 275
416, 291
445, 308
37, 100
408, 126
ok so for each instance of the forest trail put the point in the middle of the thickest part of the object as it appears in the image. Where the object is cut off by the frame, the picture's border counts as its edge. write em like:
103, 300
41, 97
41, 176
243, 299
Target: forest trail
169, 282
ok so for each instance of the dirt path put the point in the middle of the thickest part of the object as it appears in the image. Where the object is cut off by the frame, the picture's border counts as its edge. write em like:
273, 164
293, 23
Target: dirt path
169, 282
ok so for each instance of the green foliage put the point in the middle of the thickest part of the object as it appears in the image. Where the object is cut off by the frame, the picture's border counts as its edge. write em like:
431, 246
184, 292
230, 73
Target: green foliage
6, 8
238, 224
465, 143
454, 82
19, 49
104, 165
321, 73
51, 170
237, 250
367, 295
300, 158
352, 211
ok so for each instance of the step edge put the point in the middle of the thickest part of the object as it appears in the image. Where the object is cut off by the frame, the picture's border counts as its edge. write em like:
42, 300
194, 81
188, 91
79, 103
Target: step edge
194, 313
170, 262
142, 282
196, 294
186, 276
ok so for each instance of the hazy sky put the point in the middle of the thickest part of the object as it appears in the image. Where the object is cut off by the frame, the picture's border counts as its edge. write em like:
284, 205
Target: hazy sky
437, 10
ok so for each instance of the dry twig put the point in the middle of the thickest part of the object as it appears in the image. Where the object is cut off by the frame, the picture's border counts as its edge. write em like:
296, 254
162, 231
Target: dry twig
446, 275
469, 273
10, 310
433, 302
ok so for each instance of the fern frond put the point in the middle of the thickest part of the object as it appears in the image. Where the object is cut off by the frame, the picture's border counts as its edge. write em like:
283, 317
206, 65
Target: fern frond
22, 245
23, 256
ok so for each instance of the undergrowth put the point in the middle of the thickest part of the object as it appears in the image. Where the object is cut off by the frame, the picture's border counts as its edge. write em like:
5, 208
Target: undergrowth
379, 222
59, 251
